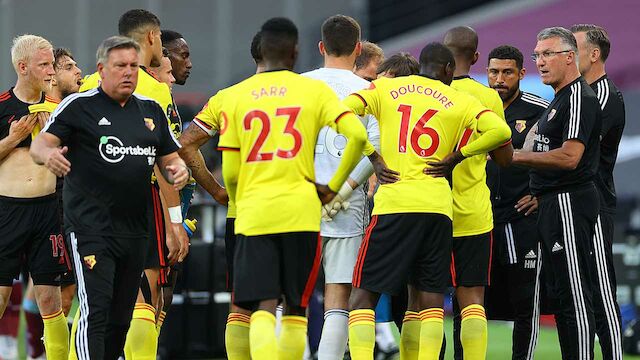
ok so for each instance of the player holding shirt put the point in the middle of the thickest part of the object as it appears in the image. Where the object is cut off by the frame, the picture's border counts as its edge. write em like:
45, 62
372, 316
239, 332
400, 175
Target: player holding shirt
270, 125
422, 120
472, 216
30, 231
514, 293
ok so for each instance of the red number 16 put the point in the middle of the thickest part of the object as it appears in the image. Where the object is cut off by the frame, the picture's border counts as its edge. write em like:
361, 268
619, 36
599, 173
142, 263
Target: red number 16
418, 130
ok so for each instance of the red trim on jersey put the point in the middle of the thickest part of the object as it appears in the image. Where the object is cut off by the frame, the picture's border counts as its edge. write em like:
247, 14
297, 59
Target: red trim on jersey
50, 99
490, 257
482, 112
313, 276
200, 122
341, 115
222, 148
505, 144
362, 253
453, 270
150, 73
361, 98
5, 96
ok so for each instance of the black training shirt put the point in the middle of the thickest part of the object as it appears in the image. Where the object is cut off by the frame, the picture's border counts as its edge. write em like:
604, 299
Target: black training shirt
574, 114
112, 150
510, 184
612, 106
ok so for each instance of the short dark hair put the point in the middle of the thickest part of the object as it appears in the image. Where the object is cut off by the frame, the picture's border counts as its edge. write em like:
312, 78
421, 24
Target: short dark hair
462, 41
401, 64
169, 36
436, 53
278, 39
135, 20
340, 34
59, 53
595, 35
255, 47
165, 52
507, 52
369, 52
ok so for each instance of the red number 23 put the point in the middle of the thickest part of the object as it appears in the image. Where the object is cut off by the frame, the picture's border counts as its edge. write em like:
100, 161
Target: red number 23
254, 153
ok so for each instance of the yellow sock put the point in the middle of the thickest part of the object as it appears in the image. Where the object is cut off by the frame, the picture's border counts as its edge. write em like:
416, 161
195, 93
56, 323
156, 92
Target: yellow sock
431, 333
410, 336
142, 338
236, 336
73, 355
262, 336
56, 336
473, 332
293, 337
160, 321
362, 334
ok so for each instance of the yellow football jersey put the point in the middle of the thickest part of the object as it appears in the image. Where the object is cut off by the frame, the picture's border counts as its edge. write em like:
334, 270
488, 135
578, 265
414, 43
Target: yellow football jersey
271, 121
421, 120
208, 119
472, 214
148, 86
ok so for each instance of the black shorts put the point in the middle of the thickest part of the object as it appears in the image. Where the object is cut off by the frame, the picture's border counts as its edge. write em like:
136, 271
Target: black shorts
471, 260
30, 235
157, 252
229, 249
515, 272
397, 249
270, 266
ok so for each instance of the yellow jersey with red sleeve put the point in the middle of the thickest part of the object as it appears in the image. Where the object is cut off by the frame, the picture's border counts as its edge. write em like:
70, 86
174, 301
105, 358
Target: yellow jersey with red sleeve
270, 123
148, 86
208, 119
472, 213
421, 120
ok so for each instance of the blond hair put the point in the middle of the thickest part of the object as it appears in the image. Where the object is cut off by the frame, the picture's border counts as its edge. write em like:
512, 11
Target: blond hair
24, 46
370, 51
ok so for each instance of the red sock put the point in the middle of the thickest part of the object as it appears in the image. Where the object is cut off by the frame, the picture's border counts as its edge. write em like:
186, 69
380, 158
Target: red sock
11, 319
35, 331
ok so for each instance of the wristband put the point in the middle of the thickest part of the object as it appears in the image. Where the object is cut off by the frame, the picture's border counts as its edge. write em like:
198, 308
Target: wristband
175, 214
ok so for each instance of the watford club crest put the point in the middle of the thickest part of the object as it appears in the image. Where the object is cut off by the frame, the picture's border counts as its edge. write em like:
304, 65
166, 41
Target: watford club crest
149, 123
90, 261
521, 125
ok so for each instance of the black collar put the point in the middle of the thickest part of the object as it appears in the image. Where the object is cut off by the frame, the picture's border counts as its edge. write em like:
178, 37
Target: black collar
461, 77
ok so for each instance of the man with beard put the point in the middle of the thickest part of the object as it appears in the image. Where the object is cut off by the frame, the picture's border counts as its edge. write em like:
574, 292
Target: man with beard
514, 292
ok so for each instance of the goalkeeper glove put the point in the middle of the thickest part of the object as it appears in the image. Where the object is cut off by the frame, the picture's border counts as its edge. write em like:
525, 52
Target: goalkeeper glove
339, 202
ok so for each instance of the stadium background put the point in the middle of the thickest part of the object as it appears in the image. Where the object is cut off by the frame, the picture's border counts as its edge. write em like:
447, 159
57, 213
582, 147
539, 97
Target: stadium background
219, 33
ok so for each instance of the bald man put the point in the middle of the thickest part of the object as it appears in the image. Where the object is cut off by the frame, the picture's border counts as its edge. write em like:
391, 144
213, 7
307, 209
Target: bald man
472, 212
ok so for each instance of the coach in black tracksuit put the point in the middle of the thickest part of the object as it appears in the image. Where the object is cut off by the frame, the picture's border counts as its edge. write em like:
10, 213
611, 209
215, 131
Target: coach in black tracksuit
593, 44
565, 159
112, 139
514, 292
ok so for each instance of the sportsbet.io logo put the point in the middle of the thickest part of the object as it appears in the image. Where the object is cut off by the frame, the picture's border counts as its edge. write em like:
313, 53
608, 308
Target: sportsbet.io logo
113, 150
